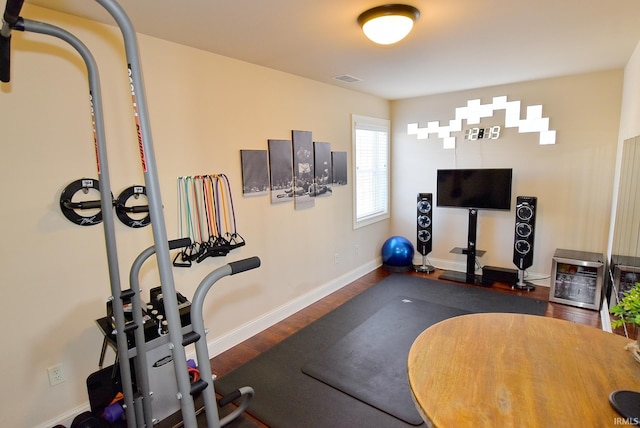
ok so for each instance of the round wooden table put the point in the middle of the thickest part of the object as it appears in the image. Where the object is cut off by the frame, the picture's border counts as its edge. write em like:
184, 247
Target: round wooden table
514, 370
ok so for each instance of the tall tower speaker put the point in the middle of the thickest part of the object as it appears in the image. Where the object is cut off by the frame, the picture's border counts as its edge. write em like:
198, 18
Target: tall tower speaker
524, 236
424, 211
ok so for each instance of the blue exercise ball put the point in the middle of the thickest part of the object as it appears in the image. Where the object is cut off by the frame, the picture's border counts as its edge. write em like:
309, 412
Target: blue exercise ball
397, 251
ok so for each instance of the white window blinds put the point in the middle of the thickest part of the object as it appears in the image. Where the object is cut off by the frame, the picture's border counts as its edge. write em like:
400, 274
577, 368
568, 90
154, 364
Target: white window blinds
371, 170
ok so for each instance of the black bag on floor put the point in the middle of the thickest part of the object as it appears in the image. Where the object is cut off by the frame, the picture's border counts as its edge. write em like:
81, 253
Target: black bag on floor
88, 420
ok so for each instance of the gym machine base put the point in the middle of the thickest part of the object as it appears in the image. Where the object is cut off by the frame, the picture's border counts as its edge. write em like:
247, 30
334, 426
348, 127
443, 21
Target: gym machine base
156, 360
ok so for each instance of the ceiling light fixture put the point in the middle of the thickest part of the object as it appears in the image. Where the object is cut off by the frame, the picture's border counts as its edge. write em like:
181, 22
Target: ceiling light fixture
389, 23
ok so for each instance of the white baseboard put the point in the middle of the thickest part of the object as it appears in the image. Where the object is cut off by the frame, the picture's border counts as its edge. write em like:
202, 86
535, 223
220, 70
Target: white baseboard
67, 417
605, 318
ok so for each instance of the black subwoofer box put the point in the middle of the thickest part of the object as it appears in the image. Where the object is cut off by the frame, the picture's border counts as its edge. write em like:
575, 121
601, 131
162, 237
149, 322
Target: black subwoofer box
498, 274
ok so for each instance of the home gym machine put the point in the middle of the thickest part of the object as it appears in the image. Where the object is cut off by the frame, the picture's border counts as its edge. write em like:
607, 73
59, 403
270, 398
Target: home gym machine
138, 403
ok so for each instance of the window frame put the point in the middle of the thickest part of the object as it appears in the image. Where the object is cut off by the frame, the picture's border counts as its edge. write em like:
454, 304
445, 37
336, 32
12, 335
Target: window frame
381, 206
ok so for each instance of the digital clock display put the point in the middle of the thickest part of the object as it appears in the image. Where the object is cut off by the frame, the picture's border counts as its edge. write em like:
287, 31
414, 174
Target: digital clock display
492, 133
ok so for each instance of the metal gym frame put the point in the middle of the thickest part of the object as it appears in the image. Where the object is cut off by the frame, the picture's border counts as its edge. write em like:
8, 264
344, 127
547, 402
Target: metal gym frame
138, 404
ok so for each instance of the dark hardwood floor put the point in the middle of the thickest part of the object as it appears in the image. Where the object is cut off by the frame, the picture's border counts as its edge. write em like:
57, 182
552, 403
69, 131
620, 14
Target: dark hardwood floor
238, 355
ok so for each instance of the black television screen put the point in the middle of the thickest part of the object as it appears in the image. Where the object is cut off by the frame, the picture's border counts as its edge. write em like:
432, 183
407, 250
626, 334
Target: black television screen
483, 188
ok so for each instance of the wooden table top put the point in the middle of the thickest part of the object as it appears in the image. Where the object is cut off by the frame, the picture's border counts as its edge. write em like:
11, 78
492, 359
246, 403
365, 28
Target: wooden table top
515, 370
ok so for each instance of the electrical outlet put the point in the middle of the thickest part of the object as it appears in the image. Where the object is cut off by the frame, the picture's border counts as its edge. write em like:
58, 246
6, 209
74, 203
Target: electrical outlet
336, 258
56, 374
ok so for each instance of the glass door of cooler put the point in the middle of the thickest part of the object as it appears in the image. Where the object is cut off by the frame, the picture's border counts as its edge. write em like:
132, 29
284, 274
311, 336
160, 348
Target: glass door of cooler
576, 279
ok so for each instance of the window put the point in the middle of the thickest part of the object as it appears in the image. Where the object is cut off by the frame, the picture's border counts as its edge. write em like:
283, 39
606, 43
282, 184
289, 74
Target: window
371, 170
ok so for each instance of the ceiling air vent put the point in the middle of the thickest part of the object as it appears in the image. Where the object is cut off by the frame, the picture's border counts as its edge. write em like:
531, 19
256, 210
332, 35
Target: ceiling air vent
347, 78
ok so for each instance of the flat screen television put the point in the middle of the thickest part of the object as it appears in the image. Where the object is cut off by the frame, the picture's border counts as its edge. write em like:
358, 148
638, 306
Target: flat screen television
482, 188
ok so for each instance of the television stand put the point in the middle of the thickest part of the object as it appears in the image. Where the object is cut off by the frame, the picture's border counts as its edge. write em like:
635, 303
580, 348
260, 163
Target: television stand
452, 275
471, 252
467, 251
468, 277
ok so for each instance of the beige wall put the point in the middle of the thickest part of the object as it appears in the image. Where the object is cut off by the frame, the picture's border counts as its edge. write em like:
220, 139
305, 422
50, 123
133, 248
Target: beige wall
572, 179
204, 109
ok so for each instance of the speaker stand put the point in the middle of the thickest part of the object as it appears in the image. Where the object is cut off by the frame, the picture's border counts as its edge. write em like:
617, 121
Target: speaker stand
427, 268
522, 284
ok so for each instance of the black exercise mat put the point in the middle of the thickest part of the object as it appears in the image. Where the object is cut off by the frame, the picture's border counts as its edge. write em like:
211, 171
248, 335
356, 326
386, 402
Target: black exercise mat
370, 363
286, 397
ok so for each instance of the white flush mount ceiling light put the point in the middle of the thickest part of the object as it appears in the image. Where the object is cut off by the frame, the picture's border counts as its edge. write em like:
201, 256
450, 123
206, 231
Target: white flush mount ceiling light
389, 23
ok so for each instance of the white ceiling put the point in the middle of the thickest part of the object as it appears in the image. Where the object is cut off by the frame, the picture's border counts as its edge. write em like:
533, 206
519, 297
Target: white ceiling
455, 44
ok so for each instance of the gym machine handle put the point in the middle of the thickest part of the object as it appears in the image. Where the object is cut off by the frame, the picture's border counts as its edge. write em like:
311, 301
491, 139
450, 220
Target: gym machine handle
10, 18
86, 205
232, 396
12, 11
243, 265
136, 209
179, 243
5, 56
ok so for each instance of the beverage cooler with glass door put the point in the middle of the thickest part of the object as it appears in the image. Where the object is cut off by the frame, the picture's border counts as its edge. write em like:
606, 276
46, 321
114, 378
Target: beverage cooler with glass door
577, 278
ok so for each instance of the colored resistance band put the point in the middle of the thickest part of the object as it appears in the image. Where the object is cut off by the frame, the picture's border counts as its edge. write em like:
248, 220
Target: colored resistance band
205, 204
234, 239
